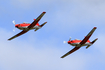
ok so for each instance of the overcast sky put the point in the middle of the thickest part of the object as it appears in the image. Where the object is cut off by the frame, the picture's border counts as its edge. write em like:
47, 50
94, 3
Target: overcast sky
42, 50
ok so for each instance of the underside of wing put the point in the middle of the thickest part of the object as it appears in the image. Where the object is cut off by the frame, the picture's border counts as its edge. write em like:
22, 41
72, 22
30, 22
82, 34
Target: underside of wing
22, 32
71, 51
36, 20
88, 36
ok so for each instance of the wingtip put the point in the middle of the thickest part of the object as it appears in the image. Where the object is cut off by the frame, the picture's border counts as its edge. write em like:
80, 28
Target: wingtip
8, 40
95, 27
61, 57
45, 22
44, 12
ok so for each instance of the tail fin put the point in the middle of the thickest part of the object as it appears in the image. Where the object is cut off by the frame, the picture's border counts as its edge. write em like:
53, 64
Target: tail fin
92, 43
94, 40
40, 25
37, 23
43, 24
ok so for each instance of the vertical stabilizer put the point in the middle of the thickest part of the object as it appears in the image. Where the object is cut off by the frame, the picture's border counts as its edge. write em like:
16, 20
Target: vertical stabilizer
92, 43
94, 40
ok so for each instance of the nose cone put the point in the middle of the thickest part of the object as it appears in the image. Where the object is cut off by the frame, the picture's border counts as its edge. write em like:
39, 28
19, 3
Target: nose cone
69, 42
16, 25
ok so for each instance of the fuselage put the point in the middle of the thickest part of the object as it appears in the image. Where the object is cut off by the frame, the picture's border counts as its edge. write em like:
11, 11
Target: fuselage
76, 43
24, 26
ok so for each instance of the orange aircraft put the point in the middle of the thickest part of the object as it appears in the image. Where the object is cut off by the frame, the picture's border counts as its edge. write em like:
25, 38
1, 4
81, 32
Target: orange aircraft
25, 27
79, 43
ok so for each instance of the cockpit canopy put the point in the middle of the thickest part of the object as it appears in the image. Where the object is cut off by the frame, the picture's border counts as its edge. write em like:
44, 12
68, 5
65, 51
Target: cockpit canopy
77, 39
26, 23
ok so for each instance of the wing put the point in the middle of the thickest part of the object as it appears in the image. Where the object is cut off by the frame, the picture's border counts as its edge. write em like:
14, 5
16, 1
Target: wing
36, 20
88, 36
71, 51
22, 32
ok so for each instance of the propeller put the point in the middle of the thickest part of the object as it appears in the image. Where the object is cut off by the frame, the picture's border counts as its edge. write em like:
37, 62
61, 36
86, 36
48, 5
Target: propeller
69, 38
14, 24
67, 41
14, 29
64, 42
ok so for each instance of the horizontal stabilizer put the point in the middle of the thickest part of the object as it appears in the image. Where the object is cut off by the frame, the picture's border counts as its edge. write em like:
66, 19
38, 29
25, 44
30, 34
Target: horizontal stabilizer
94, 40
36, 29
43, 24
88, 46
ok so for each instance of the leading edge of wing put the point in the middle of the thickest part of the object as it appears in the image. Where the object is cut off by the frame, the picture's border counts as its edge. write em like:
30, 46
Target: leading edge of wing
71, 51
22, 32
88, 36
36, 20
